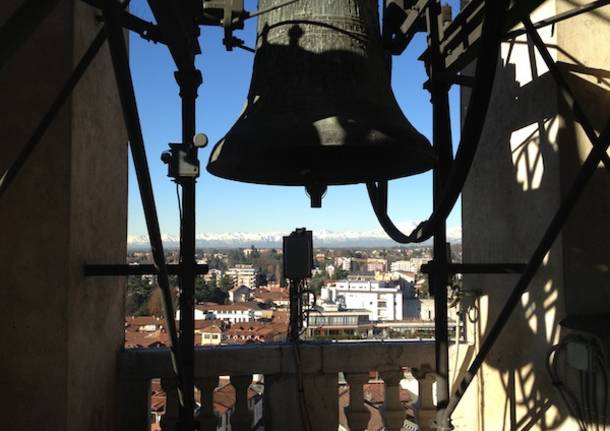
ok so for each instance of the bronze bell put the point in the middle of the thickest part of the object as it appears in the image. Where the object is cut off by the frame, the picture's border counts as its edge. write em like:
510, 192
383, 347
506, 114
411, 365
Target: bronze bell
320, 110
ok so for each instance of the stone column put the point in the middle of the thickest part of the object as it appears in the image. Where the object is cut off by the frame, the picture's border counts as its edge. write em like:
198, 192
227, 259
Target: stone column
61, 332
529, 154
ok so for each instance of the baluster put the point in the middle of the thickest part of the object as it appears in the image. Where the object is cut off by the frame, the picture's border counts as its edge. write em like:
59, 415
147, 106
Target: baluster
241, 419
169, 420
357, 414
393, 412
426, 410
208, 421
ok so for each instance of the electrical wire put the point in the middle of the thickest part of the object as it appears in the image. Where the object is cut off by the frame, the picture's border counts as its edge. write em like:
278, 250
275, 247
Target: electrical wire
301, 387
590, 407
564, 392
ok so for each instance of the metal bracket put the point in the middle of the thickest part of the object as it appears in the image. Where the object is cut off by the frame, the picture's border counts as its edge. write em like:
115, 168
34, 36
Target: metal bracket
180, 161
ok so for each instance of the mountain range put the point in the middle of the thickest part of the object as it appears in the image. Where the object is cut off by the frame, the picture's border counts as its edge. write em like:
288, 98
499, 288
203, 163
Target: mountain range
322, 238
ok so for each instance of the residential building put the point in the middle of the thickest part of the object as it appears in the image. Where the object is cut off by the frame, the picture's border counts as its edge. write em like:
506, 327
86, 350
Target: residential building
211, 336
240, 294
376, 264
344, 263
233, 313
255, 332
328, 323
384, 302
212, 273
400, 265
144, 324
279, 298
243, 275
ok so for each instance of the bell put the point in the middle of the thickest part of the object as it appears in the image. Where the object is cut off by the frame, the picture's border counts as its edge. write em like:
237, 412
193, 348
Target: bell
320, 110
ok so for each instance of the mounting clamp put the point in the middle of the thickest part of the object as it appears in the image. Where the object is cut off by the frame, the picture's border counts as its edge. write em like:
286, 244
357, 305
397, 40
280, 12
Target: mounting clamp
181, 161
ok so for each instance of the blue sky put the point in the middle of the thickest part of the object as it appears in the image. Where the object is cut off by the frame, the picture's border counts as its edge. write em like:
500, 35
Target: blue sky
228, 206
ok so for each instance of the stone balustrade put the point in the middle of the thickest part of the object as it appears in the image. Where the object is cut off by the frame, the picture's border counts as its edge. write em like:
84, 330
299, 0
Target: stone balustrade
300, 384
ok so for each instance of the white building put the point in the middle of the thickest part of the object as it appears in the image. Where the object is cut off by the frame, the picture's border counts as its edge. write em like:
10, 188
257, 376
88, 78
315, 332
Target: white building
401, 265
382, 302
412, 265
212, 273
233, 313
344, 263
242, 275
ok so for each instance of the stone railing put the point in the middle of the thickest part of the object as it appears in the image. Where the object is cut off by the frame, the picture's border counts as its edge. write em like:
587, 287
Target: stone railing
298, 383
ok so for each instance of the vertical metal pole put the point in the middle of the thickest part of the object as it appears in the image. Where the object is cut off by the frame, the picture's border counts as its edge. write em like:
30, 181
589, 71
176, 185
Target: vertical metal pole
443, 147
120, 62
189, 81
293, 318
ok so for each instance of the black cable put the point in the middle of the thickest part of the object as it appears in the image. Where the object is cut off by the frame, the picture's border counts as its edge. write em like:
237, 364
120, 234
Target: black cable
572, 404
301, 387
489, 49
179, 202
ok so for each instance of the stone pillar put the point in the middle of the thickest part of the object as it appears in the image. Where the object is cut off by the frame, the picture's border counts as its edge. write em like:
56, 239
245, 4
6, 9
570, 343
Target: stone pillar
61, 332
530, 152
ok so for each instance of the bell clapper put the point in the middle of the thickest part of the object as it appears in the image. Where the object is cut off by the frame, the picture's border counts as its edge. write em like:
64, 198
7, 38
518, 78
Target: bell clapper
316, 192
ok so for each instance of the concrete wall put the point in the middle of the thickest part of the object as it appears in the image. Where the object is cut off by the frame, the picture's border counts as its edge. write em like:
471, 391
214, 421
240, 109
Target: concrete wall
61, 333
529, 154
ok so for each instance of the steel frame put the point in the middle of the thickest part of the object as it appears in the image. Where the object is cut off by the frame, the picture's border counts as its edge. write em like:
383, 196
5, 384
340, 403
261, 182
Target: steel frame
470, 36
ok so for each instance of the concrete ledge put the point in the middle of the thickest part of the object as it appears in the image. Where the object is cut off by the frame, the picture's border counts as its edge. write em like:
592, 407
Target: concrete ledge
325, 358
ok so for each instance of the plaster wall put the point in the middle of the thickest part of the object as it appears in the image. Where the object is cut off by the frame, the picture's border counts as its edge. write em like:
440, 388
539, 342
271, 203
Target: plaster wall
67, 206
528, 156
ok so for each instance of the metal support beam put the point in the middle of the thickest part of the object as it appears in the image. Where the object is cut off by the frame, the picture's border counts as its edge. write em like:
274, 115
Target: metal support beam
439, 279
189, 81
123, 270
46, 121
120, 62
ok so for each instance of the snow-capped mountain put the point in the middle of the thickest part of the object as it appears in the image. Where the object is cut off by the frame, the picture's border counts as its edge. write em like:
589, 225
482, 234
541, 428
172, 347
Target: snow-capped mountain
322, 238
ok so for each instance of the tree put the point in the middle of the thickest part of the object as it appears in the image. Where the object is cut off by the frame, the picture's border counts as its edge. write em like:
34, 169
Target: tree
201, 290
218, 296
213, 283
226, 283
138, 292
317, 281
340, 274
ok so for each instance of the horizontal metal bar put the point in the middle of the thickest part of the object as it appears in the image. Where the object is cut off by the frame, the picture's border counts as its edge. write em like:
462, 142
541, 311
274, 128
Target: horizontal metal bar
407, 28
123, 269
147, 30
476, 268
460, 43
